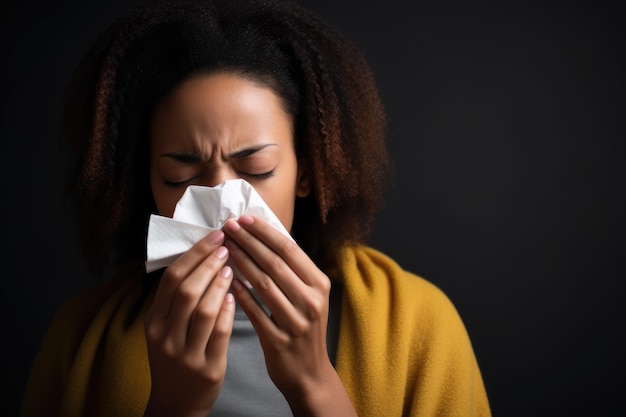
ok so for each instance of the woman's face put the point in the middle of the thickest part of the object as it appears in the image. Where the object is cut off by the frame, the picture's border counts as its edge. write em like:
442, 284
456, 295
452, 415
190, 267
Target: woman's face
218, 127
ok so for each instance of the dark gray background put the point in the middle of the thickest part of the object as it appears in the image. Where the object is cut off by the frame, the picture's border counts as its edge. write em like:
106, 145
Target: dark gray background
507, 129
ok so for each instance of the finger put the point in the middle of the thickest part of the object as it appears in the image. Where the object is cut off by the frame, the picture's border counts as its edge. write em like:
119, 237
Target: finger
286, 249
260, 263
284, 312
190, 292
206, 313
179, 270
220, 336
264, 326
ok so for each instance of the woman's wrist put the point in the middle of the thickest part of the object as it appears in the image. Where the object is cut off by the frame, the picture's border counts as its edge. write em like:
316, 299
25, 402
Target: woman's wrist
325, 396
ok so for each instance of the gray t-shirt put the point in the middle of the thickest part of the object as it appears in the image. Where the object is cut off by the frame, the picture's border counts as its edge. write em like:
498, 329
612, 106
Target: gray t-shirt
248, 389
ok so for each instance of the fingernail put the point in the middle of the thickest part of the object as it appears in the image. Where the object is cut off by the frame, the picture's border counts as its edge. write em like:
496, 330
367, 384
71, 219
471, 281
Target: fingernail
226, 272
232, 225
221, 252
216, 237
246, 219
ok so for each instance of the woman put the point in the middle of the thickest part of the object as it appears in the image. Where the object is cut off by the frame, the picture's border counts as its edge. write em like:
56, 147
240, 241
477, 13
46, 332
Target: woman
197, 93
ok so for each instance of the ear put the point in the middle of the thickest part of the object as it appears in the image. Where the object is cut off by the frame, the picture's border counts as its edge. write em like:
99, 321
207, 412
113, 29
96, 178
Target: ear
304, 183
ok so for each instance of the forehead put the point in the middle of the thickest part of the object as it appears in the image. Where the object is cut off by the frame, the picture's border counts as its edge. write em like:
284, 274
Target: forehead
217, 90
221, 107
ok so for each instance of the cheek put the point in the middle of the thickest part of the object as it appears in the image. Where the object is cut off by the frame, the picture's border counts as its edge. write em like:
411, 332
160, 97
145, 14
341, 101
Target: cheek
285, 214
165, 205
281, 195
166, 198
167, 208
282, 206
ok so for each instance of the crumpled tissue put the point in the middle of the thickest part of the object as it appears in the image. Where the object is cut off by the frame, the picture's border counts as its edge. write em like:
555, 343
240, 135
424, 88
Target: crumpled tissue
200, 211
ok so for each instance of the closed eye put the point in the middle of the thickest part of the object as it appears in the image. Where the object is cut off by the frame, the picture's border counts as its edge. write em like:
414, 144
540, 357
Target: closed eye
177, 184
262, 176
255, 177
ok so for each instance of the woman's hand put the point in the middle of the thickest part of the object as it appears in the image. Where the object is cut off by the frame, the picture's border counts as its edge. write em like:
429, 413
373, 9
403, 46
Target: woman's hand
293, 337
188, 328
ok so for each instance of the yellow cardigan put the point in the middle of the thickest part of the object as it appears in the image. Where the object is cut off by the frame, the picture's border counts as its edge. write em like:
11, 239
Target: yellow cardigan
402, 351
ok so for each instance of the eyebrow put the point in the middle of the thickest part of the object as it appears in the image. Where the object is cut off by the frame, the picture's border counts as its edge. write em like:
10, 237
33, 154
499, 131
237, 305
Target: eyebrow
248, 151
194, 158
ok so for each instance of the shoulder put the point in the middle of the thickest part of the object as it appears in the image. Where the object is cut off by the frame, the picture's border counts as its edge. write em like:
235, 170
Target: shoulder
364, 266
76, 315
411, 324
86, 304
374, 279
69, 330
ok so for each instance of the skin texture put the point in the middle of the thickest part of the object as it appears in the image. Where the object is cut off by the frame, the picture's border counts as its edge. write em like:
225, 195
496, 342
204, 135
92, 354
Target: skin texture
210, 129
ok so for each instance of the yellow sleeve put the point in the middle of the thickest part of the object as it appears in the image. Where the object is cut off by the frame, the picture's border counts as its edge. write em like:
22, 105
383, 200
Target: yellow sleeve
93, 359
448, 381
51, 367
403, 348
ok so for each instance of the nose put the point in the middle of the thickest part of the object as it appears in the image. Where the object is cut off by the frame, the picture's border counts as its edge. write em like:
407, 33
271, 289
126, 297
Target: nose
215, 175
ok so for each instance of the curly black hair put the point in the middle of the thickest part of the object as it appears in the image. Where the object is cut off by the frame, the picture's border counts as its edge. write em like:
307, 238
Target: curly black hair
323, 78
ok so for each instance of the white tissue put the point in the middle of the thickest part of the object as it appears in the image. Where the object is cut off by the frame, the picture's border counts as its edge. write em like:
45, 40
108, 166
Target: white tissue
200, 211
